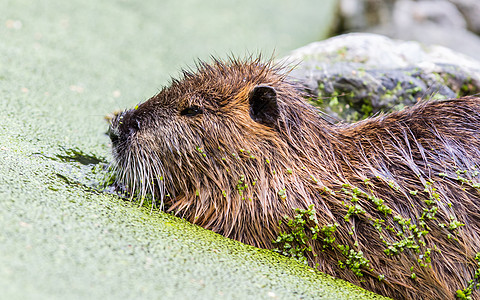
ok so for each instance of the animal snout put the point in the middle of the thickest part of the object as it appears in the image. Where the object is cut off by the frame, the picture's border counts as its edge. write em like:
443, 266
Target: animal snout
124, 126
113, 135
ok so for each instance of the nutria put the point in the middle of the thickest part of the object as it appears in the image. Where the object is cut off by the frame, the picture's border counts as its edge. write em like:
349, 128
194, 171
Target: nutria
235, 148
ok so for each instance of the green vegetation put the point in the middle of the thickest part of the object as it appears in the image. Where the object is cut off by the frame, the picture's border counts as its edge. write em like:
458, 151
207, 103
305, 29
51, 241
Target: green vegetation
466, 293
399, 234
303, 228
354, 260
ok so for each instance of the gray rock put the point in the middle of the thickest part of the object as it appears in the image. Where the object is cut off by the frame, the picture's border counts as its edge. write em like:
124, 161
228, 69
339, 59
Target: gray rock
436, 12
443, 22
471, 12
360, 14
431, 22
357, 75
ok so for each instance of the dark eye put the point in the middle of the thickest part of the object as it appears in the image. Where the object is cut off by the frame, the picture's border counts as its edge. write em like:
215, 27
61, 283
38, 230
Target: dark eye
191, 111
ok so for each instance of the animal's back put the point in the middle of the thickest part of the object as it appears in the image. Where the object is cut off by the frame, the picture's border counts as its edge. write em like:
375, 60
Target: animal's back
423, 164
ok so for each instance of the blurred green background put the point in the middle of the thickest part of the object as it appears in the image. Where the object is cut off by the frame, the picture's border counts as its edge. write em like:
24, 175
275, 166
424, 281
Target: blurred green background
63, 66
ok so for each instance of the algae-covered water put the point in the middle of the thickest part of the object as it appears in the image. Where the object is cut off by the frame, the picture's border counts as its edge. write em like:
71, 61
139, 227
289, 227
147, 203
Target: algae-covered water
64, 65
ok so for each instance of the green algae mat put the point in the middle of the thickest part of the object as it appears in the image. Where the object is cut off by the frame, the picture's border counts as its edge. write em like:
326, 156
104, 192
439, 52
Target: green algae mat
64, 65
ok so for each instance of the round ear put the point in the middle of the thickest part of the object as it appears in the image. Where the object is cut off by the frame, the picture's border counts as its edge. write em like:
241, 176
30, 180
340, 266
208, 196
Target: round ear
263, 105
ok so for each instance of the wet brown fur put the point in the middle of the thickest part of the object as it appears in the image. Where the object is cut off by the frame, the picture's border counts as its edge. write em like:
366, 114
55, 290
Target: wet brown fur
193, 165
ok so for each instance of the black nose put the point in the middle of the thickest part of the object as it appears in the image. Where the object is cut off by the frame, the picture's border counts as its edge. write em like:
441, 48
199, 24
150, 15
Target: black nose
112, 135
123, 126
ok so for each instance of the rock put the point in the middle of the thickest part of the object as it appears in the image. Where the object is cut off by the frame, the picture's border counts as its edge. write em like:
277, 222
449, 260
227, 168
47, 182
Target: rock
442, 22
431, 22
471, 12
358, 75
440, 13
357, 15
